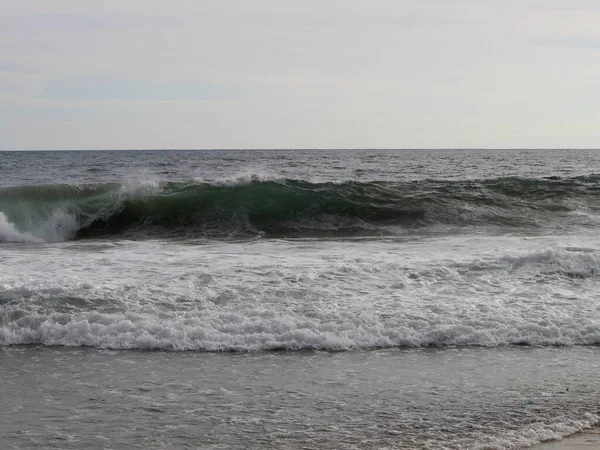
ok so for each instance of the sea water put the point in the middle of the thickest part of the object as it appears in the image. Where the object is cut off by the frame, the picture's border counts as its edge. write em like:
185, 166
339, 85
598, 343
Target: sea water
299, 299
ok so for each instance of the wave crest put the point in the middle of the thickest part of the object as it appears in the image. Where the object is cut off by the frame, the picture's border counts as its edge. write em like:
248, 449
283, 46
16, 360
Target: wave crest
250, 206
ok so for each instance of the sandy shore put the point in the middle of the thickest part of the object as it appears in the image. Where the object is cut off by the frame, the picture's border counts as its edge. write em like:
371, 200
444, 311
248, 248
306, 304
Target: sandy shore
586, 439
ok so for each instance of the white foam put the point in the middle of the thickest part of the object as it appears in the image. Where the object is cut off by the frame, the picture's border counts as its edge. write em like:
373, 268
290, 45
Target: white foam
246, 178
300, 295
256, 330
9, 232
136, 187
538, 432
60, 226
57, 227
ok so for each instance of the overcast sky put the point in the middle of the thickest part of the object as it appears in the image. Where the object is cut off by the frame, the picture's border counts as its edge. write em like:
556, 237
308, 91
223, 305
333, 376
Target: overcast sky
299, 74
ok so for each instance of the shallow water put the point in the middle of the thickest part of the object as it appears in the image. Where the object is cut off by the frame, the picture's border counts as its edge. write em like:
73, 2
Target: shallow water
453, 398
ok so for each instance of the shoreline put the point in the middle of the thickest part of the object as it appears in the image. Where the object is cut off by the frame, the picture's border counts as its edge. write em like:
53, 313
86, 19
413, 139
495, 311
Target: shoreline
588, 438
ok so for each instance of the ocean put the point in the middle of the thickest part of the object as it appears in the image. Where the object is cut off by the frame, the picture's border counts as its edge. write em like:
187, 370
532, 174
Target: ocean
298, 299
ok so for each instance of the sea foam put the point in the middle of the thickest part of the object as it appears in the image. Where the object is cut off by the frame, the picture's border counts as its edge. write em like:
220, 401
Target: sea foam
297, 295
9, 232
257, 330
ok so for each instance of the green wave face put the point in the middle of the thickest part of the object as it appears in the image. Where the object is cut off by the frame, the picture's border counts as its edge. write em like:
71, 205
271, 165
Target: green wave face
291, 208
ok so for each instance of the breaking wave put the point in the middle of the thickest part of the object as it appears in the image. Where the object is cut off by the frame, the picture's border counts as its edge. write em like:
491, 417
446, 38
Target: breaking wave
263, 331
291, 208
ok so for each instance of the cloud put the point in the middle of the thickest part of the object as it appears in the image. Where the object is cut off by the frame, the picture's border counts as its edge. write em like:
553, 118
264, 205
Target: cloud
11, 24
580, 42
269, 73
12, 67
124, 89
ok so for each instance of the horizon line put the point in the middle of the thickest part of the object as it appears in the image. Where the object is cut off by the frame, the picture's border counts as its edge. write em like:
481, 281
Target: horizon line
290, 149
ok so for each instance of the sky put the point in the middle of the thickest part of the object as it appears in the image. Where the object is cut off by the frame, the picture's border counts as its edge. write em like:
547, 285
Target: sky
299, 74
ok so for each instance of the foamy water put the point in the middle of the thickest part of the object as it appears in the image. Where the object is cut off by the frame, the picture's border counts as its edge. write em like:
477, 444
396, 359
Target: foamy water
299, 295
